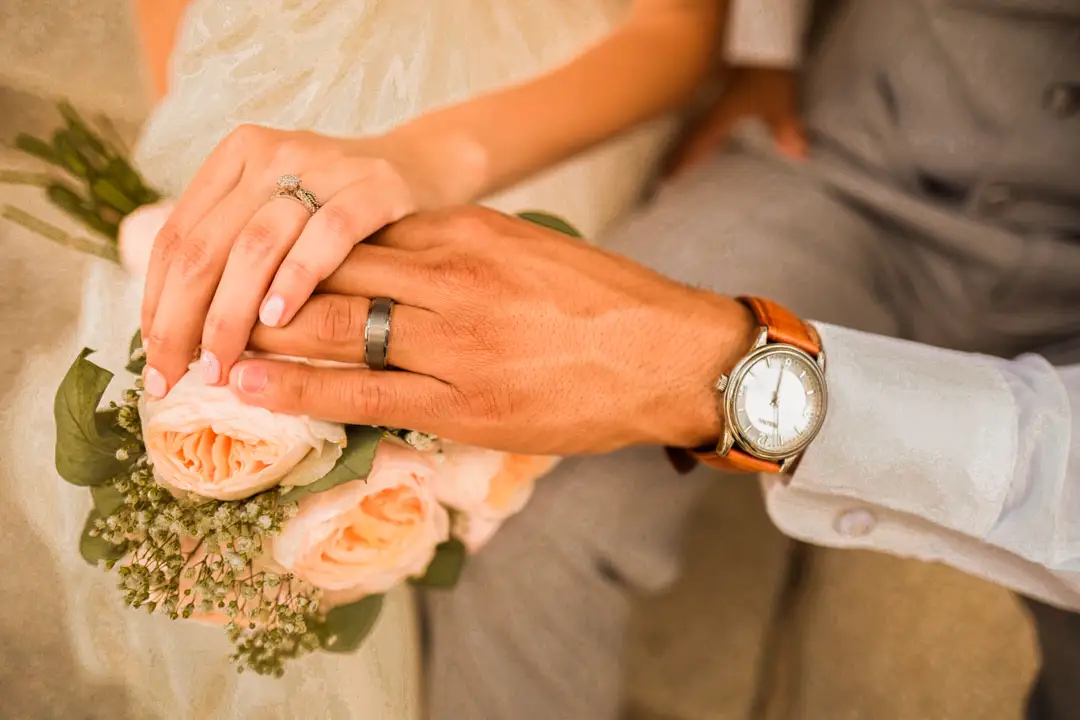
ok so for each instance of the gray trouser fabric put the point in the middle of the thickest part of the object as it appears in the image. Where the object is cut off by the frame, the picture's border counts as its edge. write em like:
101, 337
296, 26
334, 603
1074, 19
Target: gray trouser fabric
940, 206
535, 629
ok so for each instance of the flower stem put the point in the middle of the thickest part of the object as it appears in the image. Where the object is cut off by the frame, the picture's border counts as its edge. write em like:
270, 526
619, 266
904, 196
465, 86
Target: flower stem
57, 235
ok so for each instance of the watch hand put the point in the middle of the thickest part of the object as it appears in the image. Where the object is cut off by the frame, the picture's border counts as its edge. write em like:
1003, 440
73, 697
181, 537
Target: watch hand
776, 393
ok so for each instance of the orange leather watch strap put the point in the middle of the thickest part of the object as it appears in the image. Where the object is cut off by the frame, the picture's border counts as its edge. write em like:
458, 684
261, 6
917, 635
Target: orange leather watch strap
782, 327
735, 461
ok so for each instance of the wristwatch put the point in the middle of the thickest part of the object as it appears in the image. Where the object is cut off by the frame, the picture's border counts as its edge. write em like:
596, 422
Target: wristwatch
772, 404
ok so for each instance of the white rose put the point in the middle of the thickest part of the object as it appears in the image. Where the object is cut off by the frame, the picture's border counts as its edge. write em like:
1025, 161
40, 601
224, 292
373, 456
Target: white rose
486, 487
203, 440
367, 536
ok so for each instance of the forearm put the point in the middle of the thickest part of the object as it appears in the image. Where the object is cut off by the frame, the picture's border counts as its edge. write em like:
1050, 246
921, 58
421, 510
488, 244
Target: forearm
647, 66
157, 23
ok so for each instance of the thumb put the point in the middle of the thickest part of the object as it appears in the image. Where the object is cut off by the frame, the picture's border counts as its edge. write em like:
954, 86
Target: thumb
789, 136
699, 144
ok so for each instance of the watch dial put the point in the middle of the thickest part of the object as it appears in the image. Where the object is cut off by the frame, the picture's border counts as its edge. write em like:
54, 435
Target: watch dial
779, 402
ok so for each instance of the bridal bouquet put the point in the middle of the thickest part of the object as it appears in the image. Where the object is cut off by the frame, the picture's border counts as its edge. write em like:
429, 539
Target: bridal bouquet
284, 530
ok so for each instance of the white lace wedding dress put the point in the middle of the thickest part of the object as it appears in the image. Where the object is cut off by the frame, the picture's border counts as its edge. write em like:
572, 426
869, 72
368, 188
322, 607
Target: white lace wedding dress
343, 67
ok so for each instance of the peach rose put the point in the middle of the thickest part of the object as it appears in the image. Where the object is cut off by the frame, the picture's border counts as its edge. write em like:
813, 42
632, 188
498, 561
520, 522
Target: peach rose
486, 487
203, 440
136, 235
367, 536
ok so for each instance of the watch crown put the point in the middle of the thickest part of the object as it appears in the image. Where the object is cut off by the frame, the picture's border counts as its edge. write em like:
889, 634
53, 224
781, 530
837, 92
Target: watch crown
721, 383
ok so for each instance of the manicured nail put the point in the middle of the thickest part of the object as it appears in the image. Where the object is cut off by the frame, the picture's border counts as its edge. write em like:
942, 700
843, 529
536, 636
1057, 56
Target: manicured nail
211, 368
272, 310
252, 378
154, 382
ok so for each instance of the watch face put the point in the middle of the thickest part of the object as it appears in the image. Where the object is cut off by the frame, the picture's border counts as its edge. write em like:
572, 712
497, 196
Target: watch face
777, 401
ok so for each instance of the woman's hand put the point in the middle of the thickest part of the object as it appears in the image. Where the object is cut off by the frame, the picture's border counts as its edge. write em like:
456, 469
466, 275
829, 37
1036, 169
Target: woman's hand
230, 255
768, 94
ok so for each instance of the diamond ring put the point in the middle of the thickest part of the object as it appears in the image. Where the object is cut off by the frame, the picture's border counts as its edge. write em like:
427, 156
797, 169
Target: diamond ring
288, 186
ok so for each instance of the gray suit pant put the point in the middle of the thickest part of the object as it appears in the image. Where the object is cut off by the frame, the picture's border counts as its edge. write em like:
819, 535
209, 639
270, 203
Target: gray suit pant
536, 627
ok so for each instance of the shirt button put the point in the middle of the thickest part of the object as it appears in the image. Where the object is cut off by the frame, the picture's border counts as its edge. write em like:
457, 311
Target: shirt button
994, 198
855, 523
1062, 99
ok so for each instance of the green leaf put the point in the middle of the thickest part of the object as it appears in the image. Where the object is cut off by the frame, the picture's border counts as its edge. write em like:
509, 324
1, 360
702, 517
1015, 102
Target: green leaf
69, 157
107, 499
135, 367
79, 129
108, 193
346, 626
86, 438
36, 147
131, 182
550, 221
445, 567
96, 549
354, 464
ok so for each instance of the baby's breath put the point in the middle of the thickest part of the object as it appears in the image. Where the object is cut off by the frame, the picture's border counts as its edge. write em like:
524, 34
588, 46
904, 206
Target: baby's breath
215, 568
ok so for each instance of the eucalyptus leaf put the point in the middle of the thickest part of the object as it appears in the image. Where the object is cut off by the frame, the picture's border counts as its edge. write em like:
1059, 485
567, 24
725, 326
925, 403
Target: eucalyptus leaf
108, 193
69, 157
131, 182
550, 221
354, 464
36, 147
96, 549
81, 129
445, 567
134, 366
107, 499
345, 627
86, 438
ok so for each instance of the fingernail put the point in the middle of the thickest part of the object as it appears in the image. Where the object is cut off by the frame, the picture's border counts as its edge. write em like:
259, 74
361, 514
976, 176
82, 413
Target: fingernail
272, 310
252, 378
211, 368
154, 382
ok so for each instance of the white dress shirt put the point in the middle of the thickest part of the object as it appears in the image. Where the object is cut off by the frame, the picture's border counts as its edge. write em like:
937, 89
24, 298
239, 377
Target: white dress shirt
766, 33
944, 456
927, 453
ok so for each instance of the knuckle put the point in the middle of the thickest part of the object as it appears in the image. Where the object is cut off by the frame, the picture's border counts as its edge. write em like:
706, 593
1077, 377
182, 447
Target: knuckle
157, 344
487, 404
469, 221
304, 387
168, 239
336, 222
217, 327
301, 272
289, 151
243, 136
193, 258
370, 397
256, 241
337, 321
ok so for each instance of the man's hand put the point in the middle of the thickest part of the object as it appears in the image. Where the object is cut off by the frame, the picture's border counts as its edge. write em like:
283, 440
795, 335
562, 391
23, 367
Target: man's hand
506, 335
768, 94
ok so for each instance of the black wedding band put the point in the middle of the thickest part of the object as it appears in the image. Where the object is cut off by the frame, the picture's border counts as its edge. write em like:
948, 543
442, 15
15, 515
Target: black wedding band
377, 333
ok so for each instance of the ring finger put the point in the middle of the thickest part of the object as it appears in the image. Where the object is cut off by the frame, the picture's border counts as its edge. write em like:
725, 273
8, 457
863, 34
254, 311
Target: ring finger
331, 327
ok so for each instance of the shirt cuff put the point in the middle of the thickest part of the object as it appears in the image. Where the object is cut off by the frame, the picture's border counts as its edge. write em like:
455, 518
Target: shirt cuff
915, 429
766, 32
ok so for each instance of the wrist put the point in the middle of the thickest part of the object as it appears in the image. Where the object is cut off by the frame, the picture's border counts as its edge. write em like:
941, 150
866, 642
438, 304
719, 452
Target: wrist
719, 332
445, 167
